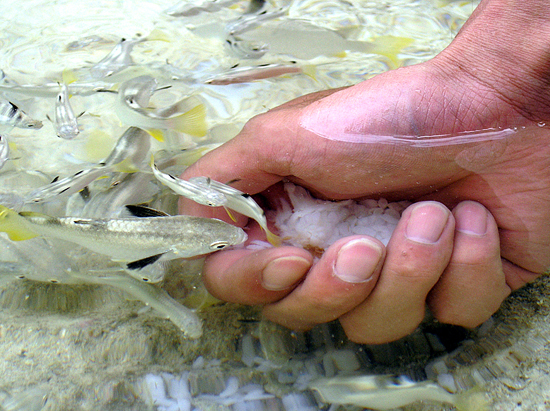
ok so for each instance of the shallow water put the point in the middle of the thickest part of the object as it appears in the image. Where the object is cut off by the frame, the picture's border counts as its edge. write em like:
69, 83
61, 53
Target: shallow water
86, 346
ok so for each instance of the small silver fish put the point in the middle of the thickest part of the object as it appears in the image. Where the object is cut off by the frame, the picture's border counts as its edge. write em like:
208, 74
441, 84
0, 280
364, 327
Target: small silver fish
198, 193
186, 116
85, 42
238, 201
65, 123
251, 20
239, 74
137, 241
184, 318
4, 151
11, 115
117, 60
306, 41
245, 49
137, 92
387, 392
128, 153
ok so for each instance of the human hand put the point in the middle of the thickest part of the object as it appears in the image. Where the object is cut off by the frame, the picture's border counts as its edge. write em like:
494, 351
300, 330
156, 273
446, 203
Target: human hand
451, 261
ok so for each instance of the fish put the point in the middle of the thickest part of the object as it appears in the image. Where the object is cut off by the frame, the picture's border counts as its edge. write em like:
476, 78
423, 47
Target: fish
237, 74
11, 115
120, 58
149, 234
130, 149
155, 297
85, 42
237, 201
304, 40
138, 91
65, 123
52, 89
387, 392
249, 21
198, 193
117, 60
4, 151
186, 116
243, 49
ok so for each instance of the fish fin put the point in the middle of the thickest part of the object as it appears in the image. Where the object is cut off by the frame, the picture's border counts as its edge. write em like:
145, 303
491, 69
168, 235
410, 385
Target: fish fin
156, 134
310, 71
191, 122
229, 214
126, 166
157, 35
144, 262
273, 239
68, 76
143, 211
14, 225
390, 47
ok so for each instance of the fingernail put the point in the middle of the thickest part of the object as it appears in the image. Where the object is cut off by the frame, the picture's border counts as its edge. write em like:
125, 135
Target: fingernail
357, 260
427, 222
471, 218
284, 272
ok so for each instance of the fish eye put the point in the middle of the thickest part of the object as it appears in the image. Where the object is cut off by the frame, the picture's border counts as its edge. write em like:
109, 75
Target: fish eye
145, 279
219, 245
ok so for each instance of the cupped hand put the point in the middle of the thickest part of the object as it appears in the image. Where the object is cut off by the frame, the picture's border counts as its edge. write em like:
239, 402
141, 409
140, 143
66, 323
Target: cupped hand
341, 144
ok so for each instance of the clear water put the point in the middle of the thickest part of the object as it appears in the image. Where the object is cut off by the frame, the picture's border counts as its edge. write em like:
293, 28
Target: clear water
87, 346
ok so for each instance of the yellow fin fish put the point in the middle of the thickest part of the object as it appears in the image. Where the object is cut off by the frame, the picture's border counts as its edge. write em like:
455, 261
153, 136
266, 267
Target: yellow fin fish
14, 225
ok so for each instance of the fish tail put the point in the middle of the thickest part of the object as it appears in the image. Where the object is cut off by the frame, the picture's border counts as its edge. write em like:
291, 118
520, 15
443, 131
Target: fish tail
157, 35
68, 76
191, 122
156, 133
310, 71
14, 225
472, 400
390, 47
126, 166
273, 239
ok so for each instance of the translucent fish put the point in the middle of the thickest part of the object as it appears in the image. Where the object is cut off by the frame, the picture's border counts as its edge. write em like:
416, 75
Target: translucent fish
4, 150
245, 49
117, 60
128, 240
186, 116
251, 20
240, 202
11, 115
128, 153
184, 318
52, 89
238, 74
201, 194
304, 40
120, 58
137, 92
385, 392
65, 122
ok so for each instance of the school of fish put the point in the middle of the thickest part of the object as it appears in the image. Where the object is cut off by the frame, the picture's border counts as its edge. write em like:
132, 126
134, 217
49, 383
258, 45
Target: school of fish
115, 207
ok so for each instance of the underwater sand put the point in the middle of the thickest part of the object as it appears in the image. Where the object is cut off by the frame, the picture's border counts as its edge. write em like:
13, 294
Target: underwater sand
84, 347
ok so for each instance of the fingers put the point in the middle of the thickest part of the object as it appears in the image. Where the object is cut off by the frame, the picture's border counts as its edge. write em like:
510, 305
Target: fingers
417, 254
255, 277
473, 285
448, 261
344, 276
